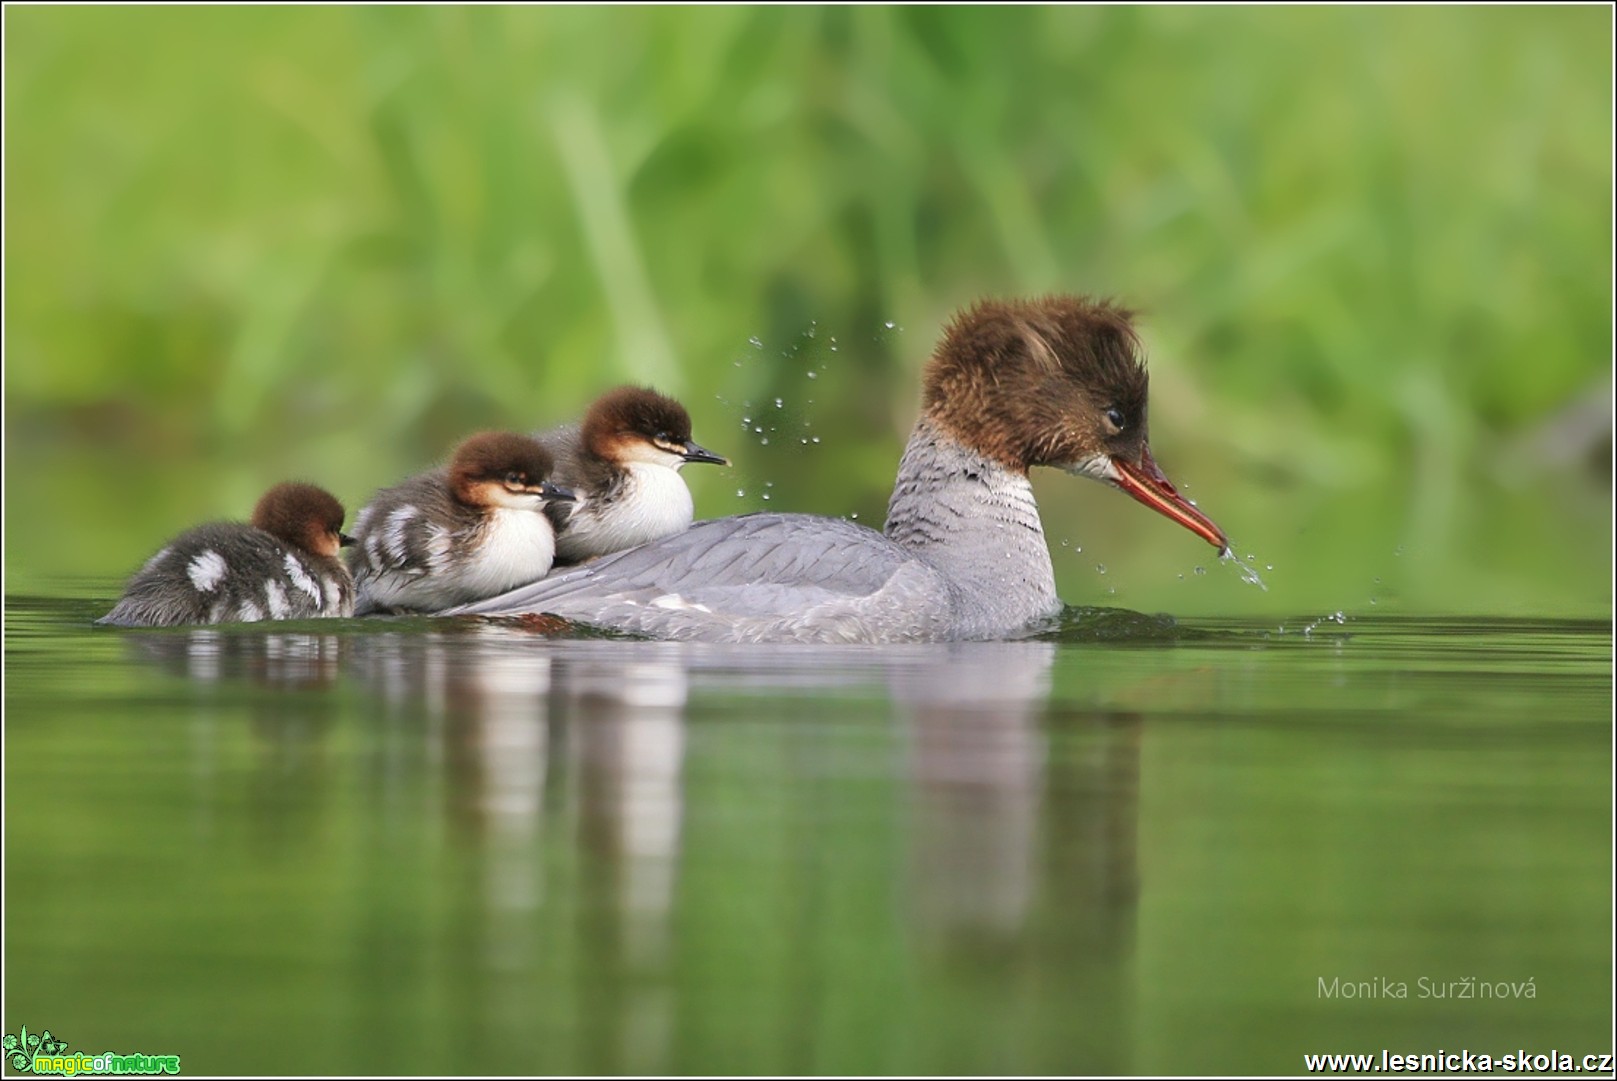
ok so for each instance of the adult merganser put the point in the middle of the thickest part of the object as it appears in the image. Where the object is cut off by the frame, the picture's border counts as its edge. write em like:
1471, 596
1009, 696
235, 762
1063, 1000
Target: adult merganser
283, 565
1058, 381
458, 534
623, 465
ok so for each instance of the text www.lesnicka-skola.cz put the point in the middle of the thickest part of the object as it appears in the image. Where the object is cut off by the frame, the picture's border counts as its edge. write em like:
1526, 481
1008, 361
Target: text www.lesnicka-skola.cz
1440, 1061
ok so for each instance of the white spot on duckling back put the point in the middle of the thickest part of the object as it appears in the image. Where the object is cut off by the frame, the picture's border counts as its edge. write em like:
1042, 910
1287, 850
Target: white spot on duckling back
206, 570
275, 597
440, 542
300, 579
250, 612
397, 522
333, 592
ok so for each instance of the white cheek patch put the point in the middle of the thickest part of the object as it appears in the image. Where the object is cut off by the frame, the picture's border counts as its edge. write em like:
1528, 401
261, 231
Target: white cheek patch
501, 496
1097, 466
648, 453
206, 570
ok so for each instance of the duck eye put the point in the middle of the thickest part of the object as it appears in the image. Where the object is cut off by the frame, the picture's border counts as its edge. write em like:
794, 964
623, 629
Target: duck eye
514, 478
1115, 416
661, 437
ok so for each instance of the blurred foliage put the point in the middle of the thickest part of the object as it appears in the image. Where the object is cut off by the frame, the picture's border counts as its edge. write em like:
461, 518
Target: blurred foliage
1371, 248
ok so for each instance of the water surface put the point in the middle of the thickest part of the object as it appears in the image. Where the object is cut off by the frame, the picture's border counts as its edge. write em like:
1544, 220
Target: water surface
1129, 846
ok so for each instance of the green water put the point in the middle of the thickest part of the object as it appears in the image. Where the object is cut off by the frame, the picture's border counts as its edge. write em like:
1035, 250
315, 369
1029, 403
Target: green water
1132, 847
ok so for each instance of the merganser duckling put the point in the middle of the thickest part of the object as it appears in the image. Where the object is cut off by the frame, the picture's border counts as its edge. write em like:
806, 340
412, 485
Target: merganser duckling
283, 565
622, 463
1055, 382
461, 533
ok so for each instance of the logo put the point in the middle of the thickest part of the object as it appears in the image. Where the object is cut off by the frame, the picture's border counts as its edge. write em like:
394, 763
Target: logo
42, 1053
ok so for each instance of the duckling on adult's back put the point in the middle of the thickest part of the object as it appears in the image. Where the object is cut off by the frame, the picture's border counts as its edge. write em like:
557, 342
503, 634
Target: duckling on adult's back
458, 534
283, 565
622, 463
1057, 382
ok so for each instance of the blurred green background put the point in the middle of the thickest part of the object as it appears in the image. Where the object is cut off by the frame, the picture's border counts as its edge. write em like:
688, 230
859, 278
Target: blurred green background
1372, 250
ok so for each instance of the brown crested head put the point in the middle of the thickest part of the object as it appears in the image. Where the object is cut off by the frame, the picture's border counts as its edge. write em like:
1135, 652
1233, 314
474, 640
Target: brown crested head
1055, 381
302, 515
1058, 381
490, 464
630, 415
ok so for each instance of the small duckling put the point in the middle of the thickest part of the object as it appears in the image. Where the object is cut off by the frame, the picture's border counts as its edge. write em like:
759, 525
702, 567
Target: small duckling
283, 565
623, 464
459, 534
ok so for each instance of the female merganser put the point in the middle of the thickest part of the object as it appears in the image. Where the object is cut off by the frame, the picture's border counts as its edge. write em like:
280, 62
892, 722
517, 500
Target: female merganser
458, 534
282, 566
623, 464
1058, 382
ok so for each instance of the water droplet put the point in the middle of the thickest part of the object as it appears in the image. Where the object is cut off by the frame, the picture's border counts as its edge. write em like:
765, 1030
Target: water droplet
815, 375
1064, 542
755, 342
1248, 573
764, 442
779, 404
1268, 566
1101, 567
1181, 576
803, 441
1077, 547
1340, 618
758, 430
816, 439
1377, 581
889, 324
766, 495
1372, 600
856, 514
1398, 551
1200, 570
741, 493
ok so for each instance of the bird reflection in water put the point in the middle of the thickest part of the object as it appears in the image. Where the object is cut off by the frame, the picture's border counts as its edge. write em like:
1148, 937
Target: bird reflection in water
291, 715
543, 904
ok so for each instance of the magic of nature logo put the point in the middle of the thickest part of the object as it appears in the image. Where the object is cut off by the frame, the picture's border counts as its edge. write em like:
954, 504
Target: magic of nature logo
42, 1053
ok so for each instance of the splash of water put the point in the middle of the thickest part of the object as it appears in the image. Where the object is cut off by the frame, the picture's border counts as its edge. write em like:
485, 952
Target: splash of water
1249, 573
